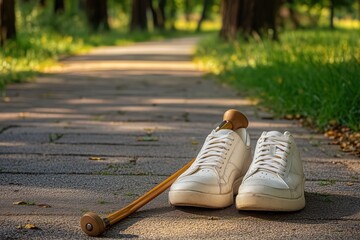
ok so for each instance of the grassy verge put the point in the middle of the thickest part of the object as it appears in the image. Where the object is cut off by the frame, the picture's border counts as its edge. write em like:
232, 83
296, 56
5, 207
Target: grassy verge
310, 74
30, 54
43, 37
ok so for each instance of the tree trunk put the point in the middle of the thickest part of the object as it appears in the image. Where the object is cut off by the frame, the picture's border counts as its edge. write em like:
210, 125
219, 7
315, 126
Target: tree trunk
158, 14
7, 20
331, 14
230, 14
161, 14
264, 17
97, 15
138, 15
154, 14
188, 10
206, 5
172, 15
251, 17
59, 6
247, 17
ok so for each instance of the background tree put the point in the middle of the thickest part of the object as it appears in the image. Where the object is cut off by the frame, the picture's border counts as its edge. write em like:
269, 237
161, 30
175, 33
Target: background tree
138, 15
187, 10
204, 13
337, 4
154, 14
7, 20
314, 10
59, 6
158, 13
97, 14
250, 17
42, 3
161, 14
172, 14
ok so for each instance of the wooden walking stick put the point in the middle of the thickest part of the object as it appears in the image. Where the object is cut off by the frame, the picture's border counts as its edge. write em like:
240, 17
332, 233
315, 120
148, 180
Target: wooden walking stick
93, 225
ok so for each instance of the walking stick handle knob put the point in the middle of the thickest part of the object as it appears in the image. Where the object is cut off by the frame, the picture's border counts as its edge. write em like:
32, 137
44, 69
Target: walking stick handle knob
237, 119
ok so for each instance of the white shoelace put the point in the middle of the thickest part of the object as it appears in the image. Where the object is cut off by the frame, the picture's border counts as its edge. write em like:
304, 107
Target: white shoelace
272, 153
215, 151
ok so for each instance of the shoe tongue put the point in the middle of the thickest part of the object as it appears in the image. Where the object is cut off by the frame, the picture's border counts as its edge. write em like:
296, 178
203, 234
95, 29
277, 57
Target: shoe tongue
274, 133
222, 132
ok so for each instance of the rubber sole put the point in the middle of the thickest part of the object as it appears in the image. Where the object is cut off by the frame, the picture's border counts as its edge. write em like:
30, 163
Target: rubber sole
205, 200
262, 202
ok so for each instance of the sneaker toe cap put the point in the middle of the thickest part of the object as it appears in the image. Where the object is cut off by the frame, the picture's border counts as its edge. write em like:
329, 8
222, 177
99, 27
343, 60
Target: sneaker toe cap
191, 185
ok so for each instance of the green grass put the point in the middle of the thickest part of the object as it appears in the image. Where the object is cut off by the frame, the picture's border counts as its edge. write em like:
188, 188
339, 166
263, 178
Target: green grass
44, 37
312, 73
327, 182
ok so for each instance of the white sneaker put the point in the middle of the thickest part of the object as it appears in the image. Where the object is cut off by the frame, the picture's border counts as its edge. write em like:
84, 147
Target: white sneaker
214, 177
275, 180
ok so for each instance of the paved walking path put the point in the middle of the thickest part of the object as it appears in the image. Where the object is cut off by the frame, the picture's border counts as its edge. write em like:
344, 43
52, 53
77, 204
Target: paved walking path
140, 113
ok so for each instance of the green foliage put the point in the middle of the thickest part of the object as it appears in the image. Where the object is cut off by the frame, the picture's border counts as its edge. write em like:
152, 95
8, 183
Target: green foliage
43, 37
313, 73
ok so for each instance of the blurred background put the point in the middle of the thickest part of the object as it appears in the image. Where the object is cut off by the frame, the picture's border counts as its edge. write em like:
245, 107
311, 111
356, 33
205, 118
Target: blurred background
298, 59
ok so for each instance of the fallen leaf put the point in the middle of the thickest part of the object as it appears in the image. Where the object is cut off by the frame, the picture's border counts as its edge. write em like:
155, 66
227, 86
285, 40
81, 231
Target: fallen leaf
43, 205
194, 142
23, 203
6, 99
289, 117
334, 143
147, 139
96, 158
149, 131
330, 133
55, 136
349, 183
346, 150
30, 226
27, 226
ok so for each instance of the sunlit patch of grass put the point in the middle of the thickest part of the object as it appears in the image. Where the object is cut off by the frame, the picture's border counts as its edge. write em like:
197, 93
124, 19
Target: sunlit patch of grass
207, 25
44, 38
40, 42
312, 73
28, 55
347, 23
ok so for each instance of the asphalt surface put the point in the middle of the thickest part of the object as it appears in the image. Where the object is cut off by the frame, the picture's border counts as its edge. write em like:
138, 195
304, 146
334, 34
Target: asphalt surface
104, 128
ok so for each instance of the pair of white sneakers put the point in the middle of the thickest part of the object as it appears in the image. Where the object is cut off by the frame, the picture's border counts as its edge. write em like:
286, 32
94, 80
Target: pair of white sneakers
272, 181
